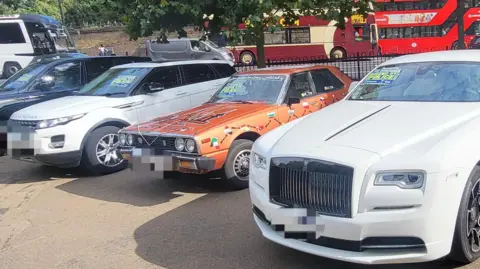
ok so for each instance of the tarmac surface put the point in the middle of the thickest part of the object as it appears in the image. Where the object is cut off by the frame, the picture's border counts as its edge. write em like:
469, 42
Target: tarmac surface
51, 218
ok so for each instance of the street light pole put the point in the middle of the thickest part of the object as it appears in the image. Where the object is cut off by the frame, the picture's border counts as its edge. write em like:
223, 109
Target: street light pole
461, 29
61, 10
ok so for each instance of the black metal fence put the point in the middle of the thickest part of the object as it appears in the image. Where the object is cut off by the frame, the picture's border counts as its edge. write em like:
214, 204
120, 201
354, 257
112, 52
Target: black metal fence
355, 66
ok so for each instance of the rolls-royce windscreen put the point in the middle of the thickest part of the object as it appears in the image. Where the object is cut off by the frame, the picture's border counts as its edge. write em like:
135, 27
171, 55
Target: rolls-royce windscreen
425, 81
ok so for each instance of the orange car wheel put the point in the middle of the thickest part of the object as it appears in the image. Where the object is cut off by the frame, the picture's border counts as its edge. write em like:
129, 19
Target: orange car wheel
237, 164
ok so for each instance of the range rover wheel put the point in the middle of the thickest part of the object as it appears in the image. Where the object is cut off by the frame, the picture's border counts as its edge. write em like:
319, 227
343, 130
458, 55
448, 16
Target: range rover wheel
466, 240
100, 152
236, 168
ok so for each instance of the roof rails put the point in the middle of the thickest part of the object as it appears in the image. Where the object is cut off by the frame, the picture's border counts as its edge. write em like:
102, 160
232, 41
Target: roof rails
34, 18
165, 61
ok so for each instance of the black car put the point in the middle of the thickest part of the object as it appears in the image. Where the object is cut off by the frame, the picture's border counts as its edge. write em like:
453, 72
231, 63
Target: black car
51, 77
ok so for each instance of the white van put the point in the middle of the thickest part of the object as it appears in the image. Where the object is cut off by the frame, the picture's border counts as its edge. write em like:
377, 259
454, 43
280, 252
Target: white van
82, 129
28, 35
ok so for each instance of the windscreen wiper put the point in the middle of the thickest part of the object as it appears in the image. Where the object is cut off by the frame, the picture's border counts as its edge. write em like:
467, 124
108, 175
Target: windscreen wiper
112, 94
240, 101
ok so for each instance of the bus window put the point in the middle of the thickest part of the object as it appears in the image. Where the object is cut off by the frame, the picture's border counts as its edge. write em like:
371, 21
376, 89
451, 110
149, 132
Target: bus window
474, 29
388, 5
298, 35
278, 37
361, 33
11, 33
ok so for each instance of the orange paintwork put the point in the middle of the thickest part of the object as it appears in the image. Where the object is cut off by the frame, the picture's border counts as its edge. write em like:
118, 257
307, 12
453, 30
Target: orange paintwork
225, 122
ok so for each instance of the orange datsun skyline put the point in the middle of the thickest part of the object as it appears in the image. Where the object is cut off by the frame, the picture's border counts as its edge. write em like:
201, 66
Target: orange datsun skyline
218, 135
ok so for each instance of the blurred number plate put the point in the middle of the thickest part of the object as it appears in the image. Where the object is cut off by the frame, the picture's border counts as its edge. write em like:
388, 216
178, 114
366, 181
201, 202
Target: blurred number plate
187, 164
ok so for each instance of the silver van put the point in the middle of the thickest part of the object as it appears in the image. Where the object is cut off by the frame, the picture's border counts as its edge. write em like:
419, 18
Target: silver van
186, 49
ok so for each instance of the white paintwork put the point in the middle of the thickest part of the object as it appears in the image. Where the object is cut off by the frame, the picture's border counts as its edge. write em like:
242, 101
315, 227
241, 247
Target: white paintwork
100, 108
8, 51
440, 138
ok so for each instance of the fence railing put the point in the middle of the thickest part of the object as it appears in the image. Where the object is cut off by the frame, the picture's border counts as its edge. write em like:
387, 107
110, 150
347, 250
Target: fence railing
355, 65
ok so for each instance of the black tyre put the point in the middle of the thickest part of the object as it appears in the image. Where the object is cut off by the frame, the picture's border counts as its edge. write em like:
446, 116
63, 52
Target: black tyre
172, 175
9, 69
235, 170
466, 240
338, 53
99, 152
247, 57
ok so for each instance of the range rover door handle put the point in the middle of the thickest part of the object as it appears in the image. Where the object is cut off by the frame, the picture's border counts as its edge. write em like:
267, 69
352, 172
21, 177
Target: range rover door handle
181, 93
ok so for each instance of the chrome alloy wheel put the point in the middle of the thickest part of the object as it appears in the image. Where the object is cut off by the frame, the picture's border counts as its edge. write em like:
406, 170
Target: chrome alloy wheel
106, 150
241, 165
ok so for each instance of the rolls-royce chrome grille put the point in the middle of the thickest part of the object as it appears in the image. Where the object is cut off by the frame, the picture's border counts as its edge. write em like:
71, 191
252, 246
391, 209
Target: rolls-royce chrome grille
313, 184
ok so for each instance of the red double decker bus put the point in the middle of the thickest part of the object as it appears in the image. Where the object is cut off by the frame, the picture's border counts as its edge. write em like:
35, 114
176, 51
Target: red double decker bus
407, 26
311, 38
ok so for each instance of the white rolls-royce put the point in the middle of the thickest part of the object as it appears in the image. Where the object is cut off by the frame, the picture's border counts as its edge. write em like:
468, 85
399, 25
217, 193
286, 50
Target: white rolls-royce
390, 174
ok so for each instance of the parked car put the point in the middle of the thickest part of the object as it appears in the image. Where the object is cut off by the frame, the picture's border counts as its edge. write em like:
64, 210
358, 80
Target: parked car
82, 129
218, 135
51, 77
390, 174
186, 49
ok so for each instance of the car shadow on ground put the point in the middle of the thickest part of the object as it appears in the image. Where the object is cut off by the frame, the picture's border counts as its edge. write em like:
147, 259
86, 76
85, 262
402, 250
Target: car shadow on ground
218, 231
18, 172
139, 188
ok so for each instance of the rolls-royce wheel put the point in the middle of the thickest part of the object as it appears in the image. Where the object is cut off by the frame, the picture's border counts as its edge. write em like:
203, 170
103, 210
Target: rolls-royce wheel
466, 240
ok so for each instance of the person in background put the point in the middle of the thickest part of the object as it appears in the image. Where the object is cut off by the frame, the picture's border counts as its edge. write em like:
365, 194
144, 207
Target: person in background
222, 40
102, 51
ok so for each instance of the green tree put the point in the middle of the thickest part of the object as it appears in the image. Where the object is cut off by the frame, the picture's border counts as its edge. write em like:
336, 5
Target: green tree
143, 17
91, 12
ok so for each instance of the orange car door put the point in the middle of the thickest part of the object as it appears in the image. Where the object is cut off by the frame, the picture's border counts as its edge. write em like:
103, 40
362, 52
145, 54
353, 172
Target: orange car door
300, 86
329, 87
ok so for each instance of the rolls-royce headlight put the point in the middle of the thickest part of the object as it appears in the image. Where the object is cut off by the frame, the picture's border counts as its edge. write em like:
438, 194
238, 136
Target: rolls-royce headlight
404, 180
190, 145
129, 139
259, 161
180, 144
122, 138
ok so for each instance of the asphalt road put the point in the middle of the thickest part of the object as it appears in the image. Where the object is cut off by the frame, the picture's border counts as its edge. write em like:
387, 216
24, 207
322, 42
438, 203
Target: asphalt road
53, 218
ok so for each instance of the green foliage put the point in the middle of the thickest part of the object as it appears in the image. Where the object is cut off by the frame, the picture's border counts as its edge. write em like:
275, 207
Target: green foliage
88, 12
146, 16
76, 12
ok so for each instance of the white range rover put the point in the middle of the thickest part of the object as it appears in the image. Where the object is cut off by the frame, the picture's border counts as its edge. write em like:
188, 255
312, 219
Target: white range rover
390, 174
81, 130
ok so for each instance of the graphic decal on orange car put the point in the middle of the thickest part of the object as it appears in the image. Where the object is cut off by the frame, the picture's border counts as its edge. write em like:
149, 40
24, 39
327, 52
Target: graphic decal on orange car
246, 127
178, 122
